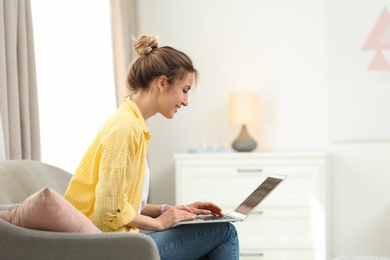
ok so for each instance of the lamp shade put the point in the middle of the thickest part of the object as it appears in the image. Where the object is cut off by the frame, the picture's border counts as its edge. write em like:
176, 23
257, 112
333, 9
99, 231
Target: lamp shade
243, 108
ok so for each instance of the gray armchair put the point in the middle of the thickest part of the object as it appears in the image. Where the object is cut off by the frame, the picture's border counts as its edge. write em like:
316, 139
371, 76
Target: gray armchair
20, 179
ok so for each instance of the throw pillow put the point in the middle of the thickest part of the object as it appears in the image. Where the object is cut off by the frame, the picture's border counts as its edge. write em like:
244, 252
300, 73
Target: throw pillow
49, 211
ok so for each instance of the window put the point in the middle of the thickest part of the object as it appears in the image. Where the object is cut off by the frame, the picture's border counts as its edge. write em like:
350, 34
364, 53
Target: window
75, 78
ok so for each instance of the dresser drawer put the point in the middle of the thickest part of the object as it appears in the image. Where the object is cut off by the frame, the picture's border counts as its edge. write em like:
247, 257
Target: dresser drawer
279, 228
229, 185
285, 254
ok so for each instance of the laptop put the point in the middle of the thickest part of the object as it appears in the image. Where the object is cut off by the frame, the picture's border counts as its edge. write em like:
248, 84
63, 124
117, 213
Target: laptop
245, 208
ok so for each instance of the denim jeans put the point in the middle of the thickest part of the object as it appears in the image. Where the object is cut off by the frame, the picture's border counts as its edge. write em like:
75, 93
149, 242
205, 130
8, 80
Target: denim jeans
198, 241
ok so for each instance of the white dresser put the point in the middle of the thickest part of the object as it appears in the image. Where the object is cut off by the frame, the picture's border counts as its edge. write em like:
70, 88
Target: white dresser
290, 224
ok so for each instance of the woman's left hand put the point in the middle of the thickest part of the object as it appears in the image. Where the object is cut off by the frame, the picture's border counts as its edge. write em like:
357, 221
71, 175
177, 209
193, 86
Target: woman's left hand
204, 208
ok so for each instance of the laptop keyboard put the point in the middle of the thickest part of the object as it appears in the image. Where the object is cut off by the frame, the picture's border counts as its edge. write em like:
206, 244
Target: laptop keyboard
211, 217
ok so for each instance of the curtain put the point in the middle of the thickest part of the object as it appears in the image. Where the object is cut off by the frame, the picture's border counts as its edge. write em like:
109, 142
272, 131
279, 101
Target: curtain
2, 150
123, 27
18, 84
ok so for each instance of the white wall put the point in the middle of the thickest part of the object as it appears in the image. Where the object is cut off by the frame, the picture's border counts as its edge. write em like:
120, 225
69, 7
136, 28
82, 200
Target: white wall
279, 49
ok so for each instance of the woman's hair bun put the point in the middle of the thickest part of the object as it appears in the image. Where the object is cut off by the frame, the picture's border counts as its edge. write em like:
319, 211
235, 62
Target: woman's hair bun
145, 44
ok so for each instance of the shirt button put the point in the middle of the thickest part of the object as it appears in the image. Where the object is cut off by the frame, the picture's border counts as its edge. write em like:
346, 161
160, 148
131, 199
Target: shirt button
118, 210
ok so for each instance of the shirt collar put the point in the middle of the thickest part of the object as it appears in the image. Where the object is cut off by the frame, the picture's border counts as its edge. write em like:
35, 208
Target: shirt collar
133, 107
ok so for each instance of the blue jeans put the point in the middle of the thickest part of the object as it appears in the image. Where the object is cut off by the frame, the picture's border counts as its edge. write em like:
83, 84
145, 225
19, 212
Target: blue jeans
198, 241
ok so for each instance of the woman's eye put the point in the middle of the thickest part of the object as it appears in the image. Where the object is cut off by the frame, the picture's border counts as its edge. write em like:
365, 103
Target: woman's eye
186, 89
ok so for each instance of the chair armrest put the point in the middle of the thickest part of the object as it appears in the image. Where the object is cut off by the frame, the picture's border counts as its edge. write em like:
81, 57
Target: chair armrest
21, 243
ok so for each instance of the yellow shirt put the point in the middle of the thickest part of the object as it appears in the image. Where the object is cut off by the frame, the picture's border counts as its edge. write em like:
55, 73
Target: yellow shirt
108, 182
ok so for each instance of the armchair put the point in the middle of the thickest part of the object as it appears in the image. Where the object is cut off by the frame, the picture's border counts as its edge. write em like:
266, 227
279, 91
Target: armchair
21, 178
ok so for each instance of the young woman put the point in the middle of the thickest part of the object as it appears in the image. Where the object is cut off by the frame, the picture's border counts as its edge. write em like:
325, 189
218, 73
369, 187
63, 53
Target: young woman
110, 184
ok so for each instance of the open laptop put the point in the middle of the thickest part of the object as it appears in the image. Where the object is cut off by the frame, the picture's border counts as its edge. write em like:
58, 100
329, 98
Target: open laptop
245, 208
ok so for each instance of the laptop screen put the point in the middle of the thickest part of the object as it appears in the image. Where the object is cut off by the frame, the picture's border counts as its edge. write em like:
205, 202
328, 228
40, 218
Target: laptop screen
258, 195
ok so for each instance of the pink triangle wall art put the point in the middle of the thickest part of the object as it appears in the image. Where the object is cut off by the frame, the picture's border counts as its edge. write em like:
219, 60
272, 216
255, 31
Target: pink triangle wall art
379, 40
359, 70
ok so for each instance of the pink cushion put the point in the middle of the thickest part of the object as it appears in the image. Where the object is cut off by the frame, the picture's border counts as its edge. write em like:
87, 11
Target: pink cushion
47, 210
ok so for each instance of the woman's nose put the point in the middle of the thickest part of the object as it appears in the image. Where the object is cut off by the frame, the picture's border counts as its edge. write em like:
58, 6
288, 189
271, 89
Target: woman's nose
185, 101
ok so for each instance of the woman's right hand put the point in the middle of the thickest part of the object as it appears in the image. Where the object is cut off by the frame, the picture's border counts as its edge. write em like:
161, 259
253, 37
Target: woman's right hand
174, 214
165, 221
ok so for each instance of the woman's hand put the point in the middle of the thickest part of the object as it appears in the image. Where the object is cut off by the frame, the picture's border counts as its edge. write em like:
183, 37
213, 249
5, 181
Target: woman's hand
164, 221
174, 214
205, 208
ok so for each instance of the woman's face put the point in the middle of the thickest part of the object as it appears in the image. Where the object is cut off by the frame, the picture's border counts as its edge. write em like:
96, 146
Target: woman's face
176, 95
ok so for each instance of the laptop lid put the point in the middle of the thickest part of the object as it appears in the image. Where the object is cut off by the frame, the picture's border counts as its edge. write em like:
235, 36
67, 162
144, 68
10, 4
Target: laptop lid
257, 196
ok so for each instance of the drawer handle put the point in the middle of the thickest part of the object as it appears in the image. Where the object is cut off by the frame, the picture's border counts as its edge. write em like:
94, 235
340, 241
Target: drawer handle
252, 254
257, 212
249, 170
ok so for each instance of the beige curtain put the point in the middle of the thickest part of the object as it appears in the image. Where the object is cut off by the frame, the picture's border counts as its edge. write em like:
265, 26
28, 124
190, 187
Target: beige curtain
124, 26
2, 150
18, 88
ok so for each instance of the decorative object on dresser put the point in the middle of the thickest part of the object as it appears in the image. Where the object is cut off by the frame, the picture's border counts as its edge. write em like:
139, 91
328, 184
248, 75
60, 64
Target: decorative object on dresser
244, 111
289, 225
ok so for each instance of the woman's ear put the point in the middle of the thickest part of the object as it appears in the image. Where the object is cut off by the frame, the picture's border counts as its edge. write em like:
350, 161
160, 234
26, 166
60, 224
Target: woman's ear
162, 82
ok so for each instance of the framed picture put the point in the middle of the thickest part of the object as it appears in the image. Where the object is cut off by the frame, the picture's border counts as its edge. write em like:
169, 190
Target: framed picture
359, 70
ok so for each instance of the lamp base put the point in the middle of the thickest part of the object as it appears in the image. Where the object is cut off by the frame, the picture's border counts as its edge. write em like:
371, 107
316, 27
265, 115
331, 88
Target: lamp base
244, 142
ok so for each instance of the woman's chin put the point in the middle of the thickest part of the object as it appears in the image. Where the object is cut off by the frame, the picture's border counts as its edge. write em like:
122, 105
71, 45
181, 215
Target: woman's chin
170, 116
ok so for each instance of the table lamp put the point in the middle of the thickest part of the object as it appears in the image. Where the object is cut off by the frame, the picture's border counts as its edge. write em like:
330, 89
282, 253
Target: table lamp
244, 111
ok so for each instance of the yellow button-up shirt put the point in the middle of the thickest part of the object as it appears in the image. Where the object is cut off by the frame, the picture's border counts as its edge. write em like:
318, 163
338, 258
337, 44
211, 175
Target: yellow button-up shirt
108, 182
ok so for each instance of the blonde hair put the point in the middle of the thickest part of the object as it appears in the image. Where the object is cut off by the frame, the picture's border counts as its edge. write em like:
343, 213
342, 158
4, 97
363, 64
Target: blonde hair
153, 61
